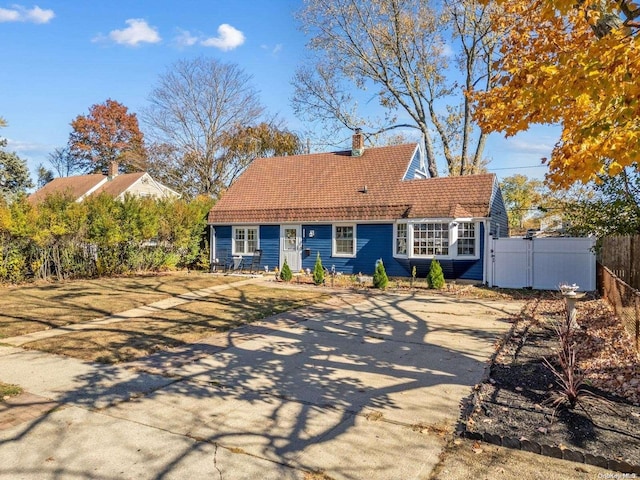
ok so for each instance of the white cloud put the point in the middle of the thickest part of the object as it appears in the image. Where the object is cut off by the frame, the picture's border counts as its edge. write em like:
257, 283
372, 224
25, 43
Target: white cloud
138, 31
185, 39
18, 13
272, 50
25, 147
532, 146
228, 38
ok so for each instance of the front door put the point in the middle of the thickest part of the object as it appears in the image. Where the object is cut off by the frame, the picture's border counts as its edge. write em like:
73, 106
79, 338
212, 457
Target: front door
291, 246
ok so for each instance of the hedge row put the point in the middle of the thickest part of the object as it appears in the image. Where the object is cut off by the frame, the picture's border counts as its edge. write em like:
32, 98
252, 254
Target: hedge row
61, 238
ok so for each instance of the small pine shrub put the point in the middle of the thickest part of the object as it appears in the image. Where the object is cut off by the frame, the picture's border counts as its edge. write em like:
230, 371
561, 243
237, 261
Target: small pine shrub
435, 277
285, 274
380, 279
318, 271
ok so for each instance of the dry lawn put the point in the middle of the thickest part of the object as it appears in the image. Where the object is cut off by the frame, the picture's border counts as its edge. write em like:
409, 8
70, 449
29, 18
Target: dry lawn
135, 338
30, 308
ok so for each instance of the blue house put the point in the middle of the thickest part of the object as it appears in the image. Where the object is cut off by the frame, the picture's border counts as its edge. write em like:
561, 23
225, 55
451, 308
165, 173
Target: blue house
355, 207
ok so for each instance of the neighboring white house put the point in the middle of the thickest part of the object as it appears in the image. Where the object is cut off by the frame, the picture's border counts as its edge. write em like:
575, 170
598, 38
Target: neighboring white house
139, 184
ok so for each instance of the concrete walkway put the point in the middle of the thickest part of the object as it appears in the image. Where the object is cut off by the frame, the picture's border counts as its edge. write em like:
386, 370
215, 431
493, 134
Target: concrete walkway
361, 388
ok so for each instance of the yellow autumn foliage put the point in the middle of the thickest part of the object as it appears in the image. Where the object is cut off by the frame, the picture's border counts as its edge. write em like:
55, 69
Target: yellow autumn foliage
559, 67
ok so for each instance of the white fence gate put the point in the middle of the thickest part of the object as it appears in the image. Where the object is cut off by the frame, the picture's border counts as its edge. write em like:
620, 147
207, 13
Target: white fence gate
542, 263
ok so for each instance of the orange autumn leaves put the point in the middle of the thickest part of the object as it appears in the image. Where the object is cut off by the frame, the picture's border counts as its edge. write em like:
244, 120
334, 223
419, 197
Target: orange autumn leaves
555, 69
108, 133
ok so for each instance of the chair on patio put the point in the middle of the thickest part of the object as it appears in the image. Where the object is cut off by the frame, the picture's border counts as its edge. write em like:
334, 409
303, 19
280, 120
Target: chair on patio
236, 264
223, 261
255, 261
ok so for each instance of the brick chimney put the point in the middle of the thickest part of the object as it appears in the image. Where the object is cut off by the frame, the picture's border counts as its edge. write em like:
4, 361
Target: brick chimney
357, 143
112, 172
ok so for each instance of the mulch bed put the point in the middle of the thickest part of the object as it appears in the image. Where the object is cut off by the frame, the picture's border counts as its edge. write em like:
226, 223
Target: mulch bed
512, 406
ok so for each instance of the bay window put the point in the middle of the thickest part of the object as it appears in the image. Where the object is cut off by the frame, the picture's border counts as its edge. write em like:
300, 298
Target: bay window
431, 239
452, 239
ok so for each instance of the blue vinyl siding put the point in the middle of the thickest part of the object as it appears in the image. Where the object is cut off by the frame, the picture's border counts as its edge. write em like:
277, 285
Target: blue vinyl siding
270, 246
223, 240
416, 164
472, 269
373, 241
498, 213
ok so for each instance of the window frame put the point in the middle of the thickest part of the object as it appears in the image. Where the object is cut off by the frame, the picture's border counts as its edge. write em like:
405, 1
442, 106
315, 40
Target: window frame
396, 227
245, 241
476, 231
436, 241
334, 239
452, 248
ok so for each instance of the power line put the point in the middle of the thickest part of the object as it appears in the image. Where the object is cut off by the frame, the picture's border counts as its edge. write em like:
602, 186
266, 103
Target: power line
518, 168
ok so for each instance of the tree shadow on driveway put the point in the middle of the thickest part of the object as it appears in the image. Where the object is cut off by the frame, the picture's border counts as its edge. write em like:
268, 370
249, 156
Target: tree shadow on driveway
357, 391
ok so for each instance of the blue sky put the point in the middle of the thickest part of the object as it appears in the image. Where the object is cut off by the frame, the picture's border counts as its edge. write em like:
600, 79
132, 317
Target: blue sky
60, 57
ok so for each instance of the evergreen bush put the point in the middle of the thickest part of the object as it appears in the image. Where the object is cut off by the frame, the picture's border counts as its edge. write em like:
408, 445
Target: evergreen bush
318, 271
435, 277
380, 279
285, 274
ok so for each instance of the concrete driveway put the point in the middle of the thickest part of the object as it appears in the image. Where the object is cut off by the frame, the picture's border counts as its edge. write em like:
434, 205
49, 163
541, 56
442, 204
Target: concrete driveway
358, 388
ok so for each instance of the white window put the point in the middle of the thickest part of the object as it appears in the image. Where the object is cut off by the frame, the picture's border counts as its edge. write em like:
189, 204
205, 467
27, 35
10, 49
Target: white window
245, 240
466, 238
401, 239
344, 240
431, 239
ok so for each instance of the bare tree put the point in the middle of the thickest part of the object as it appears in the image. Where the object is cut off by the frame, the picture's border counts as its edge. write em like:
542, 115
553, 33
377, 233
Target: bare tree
195, 104
65, 163
401, 49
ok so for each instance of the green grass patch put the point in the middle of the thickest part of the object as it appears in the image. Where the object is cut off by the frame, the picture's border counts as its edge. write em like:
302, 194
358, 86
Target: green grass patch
8, 390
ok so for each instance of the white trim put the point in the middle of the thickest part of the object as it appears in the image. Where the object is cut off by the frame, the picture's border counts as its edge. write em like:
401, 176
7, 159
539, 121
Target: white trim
476, 240
92, 189
309, 222
245, 228
334, 252
213, 247
395, 238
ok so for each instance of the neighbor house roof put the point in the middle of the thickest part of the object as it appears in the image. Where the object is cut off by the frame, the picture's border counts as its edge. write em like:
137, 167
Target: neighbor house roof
119, 184
80, 186
337, 186
76, 187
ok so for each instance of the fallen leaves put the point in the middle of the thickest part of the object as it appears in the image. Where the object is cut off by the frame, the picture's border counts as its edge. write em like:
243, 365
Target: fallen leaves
605, 351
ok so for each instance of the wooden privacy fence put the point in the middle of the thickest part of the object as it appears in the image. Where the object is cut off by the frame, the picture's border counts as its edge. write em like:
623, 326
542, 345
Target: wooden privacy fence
624, 299
621, 255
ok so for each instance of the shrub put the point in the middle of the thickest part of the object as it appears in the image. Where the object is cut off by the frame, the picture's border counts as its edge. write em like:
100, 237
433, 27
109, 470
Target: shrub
285, 274
380, 279
435, 277
318, 271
